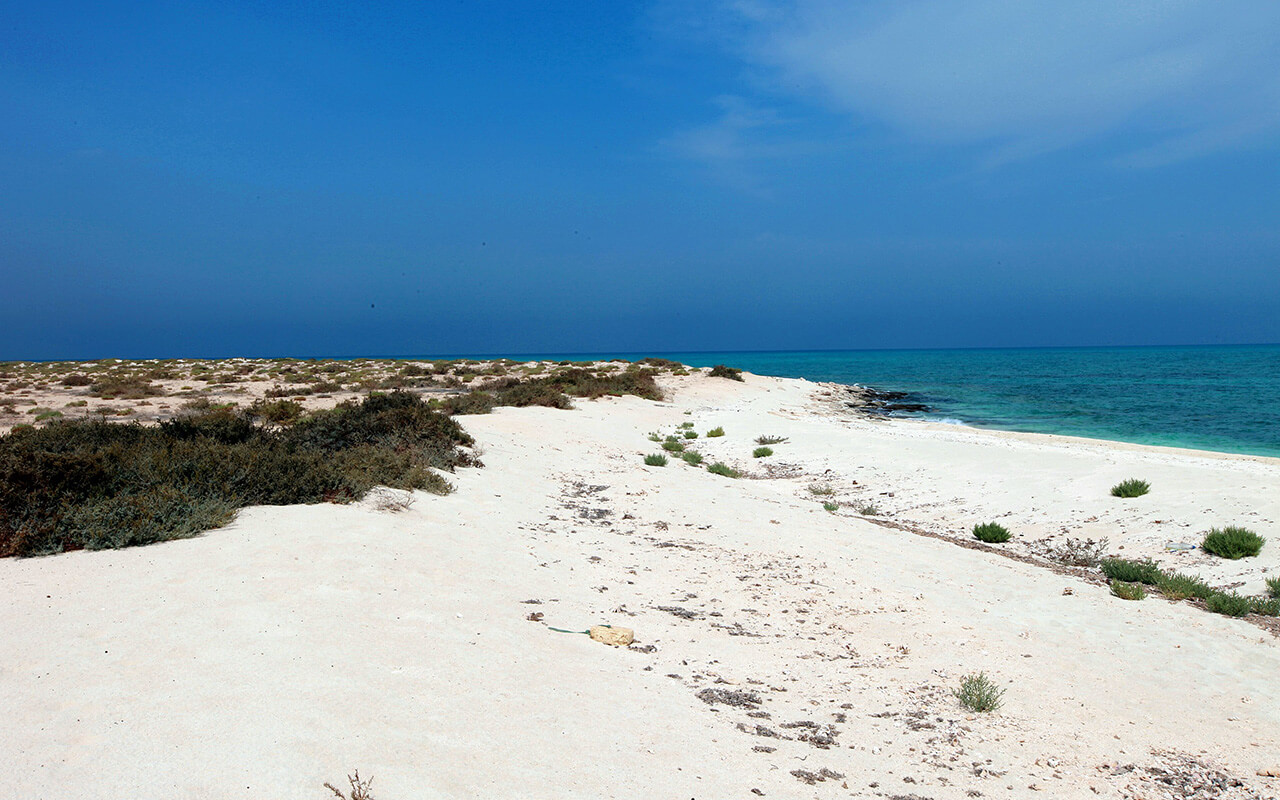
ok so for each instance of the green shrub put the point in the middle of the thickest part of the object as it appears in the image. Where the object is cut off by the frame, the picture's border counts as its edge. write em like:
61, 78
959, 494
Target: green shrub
686, 425
762, 452
281, 412
77, 380
692, 457
1130, 488
655, 460
45, 415
720, 468
869, 510
93, 484
979, 693
829, 506
691, 434
991, 532
770, 439
1229, 604
1267, 607
714, 432
1232, 542
721, 371
673, 446
1273, 587
1128, 591
1120, 569
1177, 586
821, 489
655, 437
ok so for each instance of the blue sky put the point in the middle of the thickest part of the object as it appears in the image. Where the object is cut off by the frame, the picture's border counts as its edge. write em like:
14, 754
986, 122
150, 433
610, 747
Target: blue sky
476, 177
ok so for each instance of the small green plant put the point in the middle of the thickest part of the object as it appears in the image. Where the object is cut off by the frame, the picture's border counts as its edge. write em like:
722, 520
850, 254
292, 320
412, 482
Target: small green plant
1228, 604
691, 457
655, 437
1273, 587
821, 489
1176, 586
762, 452
770, 439
979, 693
1232, 542
830, 506
1121, 569
673, 446
44, 415
869, 510
720, 468
1128, 591
691, 434
1130, 488
686, 425
1265, 607
714, 432
655, 460
991, 532
721, 371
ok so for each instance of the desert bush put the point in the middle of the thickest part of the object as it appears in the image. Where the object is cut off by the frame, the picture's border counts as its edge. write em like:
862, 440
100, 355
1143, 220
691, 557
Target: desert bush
720, 468
721, 371
869, 510
714, 432
1122, 569
281, 412
1228, 604
672, 445
1232, 542
126, 388
470, 403
821, 489
1128, 591
1273, 587
1078, 553
77, 380
94, 484
979, 693
1267, 607
762, 452
655, 460
770, 439
690, 434
830, 506
692, 457
991, 532
1176, 586
686, 425
1130, 488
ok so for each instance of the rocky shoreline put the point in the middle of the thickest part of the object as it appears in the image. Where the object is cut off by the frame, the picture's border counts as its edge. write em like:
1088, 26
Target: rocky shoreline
883, 402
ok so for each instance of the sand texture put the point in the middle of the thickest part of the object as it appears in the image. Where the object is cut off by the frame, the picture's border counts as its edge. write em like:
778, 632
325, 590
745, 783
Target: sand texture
781, 650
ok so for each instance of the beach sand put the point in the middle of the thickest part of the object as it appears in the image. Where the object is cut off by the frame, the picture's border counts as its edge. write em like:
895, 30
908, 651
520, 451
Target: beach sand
299, 643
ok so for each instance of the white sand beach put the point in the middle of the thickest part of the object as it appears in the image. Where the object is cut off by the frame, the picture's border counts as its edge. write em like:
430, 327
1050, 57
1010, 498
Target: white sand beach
300, 643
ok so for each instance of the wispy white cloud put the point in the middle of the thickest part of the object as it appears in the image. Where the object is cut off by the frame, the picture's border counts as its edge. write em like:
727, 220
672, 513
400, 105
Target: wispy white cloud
1164, 81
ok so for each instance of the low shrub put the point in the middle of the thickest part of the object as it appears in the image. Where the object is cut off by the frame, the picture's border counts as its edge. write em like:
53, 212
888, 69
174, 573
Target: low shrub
1121, 569
869, 510
686, 425
830, 506
1229, 604
1267, 607
281, 412
655, 437
1273, 587
673, 446
691, 434
1176, 586
721, 371
720, 468
692, 457
1128, 591
1078, 553
762, 452
655, 460
770, 439
715, 432
979, 693
821, 489
1232, 542
1130, 488
991, 532
77, 380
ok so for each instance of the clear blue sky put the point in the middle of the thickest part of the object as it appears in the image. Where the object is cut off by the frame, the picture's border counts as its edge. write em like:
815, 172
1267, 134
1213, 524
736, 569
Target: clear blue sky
213, 179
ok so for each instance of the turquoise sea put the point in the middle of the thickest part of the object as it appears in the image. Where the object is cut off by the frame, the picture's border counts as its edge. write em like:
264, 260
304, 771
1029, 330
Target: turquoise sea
1223, 398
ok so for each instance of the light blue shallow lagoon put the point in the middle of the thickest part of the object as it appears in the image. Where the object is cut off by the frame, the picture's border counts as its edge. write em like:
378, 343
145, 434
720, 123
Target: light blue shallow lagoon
1207, 398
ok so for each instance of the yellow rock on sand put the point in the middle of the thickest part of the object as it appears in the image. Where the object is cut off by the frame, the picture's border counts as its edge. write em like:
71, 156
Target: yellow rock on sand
618, 637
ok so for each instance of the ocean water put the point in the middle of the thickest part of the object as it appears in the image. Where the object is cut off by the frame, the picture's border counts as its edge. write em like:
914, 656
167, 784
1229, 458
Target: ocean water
1225, 399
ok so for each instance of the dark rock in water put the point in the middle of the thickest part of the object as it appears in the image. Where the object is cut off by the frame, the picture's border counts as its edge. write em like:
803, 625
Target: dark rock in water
884, 402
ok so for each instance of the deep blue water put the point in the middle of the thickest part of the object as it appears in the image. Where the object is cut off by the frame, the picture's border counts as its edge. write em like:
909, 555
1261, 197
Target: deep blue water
1207, 398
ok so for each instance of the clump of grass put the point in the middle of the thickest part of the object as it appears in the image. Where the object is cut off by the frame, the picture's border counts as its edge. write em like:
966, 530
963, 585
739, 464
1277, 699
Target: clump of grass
1228, 604
360, 789
673, 446
821, 489
1130, 488
991, 532
1273, 587
686, 425
1128, 591
691, 457
1232, 542
1266, 607
979, 693
721, 371
1176, 586
720, 468
655, 437
830, 506
762, 452
1122, 569
714, 432
770, 439
869, 510
690, 434
655, 460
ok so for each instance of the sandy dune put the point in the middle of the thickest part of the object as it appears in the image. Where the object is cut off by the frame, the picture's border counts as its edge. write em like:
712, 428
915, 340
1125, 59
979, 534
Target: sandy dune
264, 659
